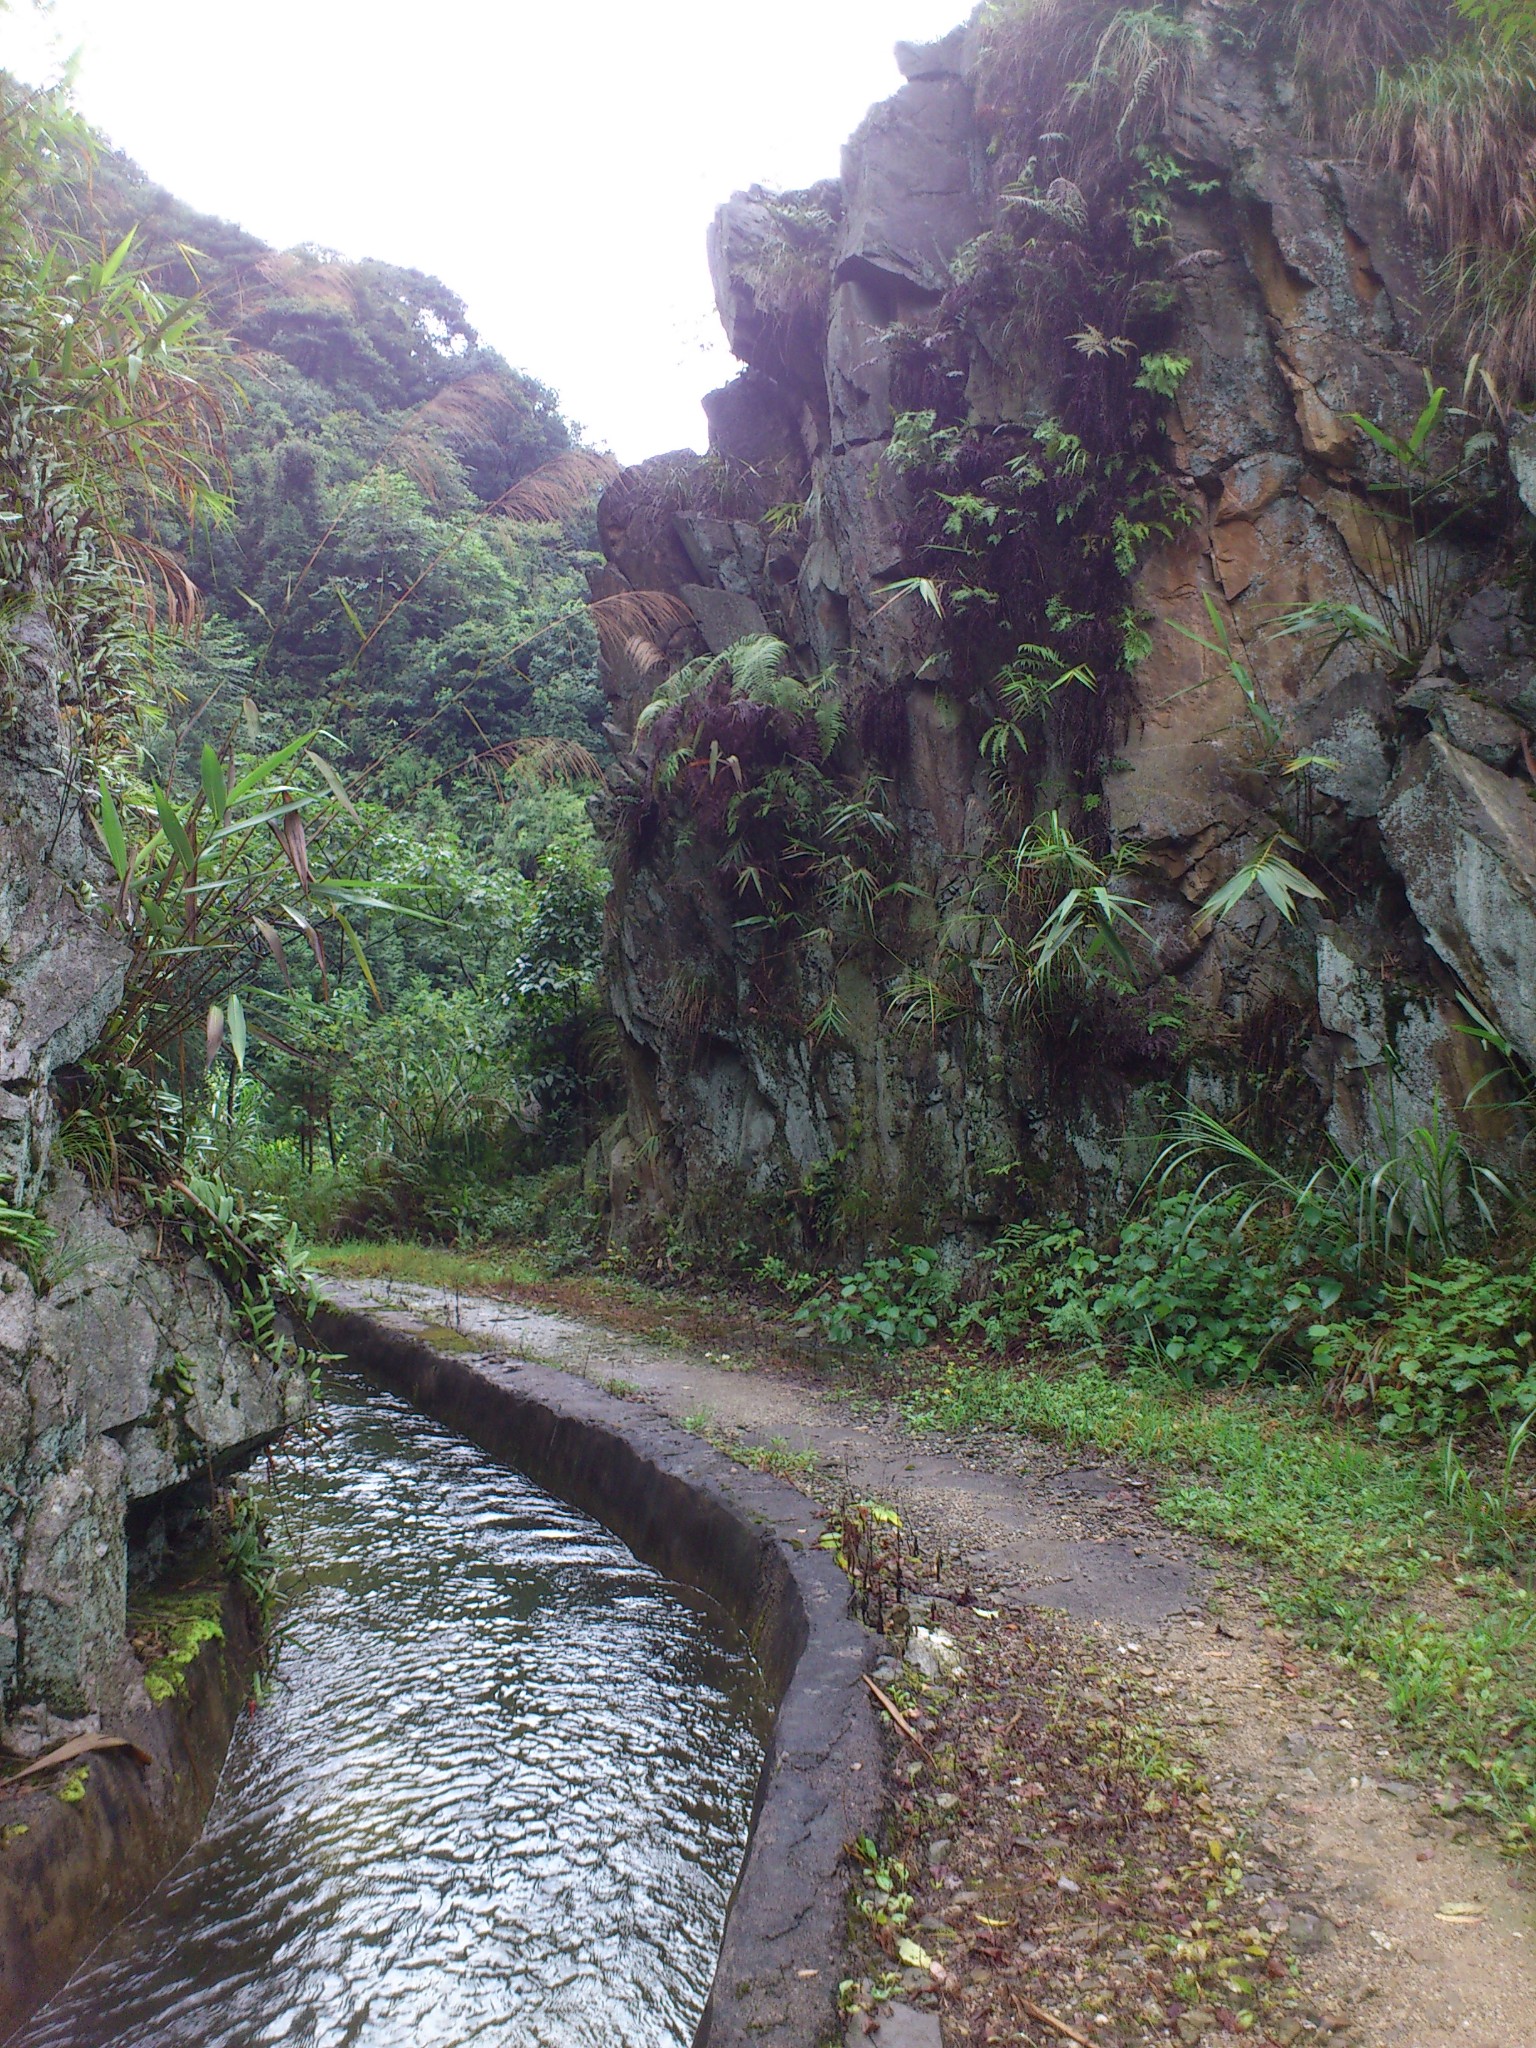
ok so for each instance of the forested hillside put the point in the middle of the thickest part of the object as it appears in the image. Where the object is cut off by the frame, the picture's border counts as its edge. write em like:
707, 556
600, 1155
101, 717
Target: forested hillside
391, 567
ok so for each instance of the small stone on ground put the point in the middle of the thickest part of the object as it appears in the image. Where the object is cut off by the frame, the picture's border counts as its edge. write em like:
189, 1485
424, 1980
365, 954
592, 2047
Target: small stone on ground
899, 2026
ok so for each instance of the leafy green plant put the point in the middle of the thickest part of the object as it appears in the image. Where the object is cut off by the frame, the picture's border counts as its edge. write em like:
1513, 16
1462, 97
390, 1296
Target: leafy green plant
1162, 372
1139, 66
1211, 1290
886, 1899
1026, 686
917, 441
1230, 1265
111, 395
1332, 623
24, 1239
249, 1555
1447, 1351
921, 1002
777, 1456
1418, 1198
922, 587
869, 1542
895, 1301
257, 1254
1440, 467
1043, 1281
1197, 1283
208, 884
1221, 644
1275, 877
1086, 930
778, 1273
1510, 20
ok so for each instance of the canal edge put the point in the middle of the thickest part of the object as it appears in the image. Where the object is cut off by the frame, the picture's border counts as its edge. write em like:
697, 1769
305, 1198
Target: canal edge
748, 1540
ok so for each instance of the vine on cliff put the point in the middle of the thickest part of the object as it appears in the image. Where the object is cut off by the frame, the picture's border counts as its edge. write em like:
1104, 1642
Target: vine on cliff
740, 757
1034, 532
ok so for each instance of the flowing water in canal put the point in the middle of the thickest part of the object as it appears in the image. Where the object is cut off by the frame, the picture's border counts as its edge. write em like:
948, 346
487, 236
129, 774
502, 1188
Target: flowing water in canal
499, 1793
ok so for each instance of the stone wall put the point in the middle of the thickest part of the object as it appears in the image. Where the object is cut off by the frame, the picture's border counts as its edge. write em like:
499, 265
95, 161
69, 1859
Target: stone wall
124, 1386
1301, 296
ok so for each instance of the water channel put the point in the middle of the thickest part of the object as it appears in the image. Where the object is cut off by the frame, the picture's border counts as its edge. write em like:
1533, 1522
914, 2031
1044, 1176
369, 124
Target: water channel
499, 1793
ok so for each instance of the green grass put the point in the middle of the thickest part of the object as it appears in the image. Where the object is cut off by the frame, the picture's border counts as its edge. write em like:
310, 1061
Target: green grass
1365, 1547
428, 1265
776, 1456
1256, 1469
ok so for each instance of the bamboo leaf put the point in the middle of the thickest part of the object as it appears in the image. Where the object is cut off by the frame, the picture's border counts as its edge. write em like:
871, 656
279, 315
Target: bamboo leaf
113, 837
175, 832
237, 1031
214, 786
291, 837
315, 947
114, 262
359, 896
360, 956
1425, 424
352, 619
335, 785
911, 586
272, 940
1387, 443
241, 828
264, 770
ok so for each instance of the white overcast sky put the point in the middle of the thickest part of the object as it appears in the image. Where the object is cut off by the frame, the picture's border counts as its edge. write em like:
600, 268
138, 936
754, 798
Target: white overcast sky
555, 164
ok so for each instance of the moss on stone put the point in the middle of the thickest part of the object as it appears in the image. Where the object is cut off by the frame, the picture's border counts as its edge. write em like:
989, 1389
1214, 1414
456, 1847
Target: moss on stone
71, 1788
444, 1338
169, 1630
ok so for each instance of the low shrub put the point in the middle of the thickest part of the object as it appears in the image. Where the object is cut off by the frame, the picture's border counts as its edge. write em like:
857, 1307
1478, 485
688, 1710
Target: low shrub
1205, 1286
1449, 1351
898, 1301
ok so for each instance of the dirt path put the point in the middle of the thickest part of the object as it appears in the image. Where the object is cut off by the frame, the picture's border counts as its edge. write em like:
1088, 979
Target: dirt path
1350, 1861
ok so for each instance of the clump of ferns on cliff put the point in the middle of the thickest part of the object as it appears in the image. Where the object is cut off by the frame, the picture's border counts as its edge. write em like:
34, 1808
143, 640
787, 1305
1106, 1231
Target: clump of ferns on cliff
1036, 537
739, 754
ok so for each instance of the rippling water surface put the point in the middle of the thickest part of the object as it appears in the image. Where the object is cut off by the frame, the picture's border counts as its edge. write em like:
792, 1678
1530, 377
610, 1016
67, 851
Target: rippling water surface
499, 1795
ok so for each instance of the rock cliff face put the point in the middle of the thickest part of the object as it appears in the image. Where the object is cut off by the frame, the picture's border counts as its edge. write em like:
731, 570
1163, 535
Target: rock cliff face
920, 338
123, 1383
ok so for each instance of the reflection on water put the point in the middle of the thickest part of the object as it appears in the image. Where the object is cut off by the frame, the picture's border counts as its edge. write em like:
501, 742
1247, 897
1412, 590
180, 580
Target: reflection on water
499, 1794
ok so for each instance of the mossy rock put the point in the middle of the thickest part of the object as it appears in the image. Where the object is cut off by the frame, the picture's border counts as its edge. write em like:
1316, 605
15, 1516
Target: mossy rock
168, 1632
